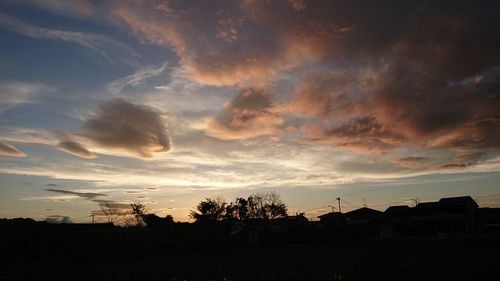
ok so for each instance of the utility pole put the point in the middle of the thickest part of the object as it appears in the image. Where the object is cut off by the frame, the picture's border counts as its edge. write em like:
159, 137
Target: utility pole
364, 202
333, 208
92, 215
340, 210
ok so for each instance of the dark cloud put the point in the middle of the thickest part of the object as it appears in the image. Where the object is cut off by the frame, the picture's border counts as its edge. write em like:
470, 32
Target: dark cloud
411, 162
454, 166
423, 86
249, 114
76, 149
9, 150
86, 195
130, 127
471, 157
464, 160
364, 133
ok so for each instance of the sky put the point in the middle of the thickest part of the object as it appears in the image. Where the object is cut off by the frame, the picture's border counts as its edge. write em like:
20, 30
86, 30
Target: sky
169, 102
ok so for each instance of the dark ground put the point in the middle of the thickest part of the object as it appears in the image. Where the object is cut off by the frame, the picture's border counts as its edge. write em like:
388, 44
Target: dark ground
140, 254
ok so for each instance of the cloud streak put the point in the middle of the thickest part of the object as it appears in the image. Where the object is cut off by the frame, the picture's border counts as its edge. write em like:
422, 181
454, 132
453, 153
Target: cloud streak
85, 195
9, 150
110, 49
76, 149
13, 93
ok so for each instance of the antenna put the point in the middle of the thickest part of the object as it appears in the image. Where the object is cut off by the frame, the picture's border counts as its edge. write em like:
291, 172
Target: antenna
333, 208
340, 210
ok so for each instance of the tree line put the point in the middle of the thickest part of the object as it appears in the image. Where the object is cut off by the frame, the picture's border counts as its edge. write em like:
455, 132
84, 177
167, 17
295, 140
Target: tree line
257, 206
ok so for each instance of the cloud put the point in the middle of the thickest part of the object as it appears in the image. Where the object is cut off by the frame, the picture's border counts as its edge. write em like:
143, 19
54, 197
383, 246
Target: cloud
85, 195
466, 159
379, 62
454, 166
248, 115
108, 48
9, 150
363, 133
471, 157
411, 162
228, 43
137, 78
14, 93
80, 8
75, 8
52, 138
76, 149
125, 126
316, 99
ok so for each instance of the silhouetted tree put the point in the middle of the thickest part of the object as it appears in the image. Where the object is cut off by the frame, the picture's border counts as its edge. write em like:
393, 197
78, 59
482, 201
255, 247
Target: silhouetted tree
266, 206
154, 221
239, 209
257, 206
143, 216
212, 209
139, 212
116, 213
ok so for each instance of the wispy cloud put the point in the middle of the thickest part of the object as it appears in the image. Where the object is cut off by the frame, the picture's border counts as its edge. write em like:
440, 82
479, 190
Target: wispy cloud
106, 47
135, 79
14, 93
85, 195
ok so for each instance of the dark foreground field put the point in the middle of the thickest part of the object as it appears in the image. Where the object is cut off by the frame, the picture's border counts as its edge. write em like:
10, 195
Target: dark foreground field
120, 254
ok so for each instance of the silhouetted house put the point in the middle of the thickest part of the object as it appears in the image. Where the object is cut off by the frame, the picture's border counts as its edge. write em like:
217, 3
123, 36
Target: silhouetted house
488, 220
332, 218
397, 212
394, 223
454, 215
298, 218
458, 205
362, 216
363, 222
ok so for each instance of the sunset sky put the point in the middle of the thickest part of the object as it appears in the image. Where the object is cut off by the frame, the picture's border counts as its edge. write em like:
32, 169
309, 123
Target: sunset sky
169, 102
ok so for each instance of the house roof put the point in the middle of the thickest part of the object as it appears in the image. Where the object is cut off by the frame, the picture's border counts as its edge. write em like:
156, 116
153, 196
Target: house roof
331, 215
427, 205
395, 211
363, 212
458, 201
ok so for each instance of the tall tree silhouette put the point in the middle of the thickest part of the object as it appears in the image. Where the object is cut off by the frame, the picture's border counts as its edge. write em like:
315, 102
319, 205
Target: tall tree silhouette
211, 209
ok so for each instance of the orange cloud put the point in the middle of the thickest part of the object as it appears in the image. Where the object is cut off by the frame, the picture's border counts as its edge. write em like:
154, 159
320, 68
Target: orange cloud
241, 46
9, 150
76, 149
248, 115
